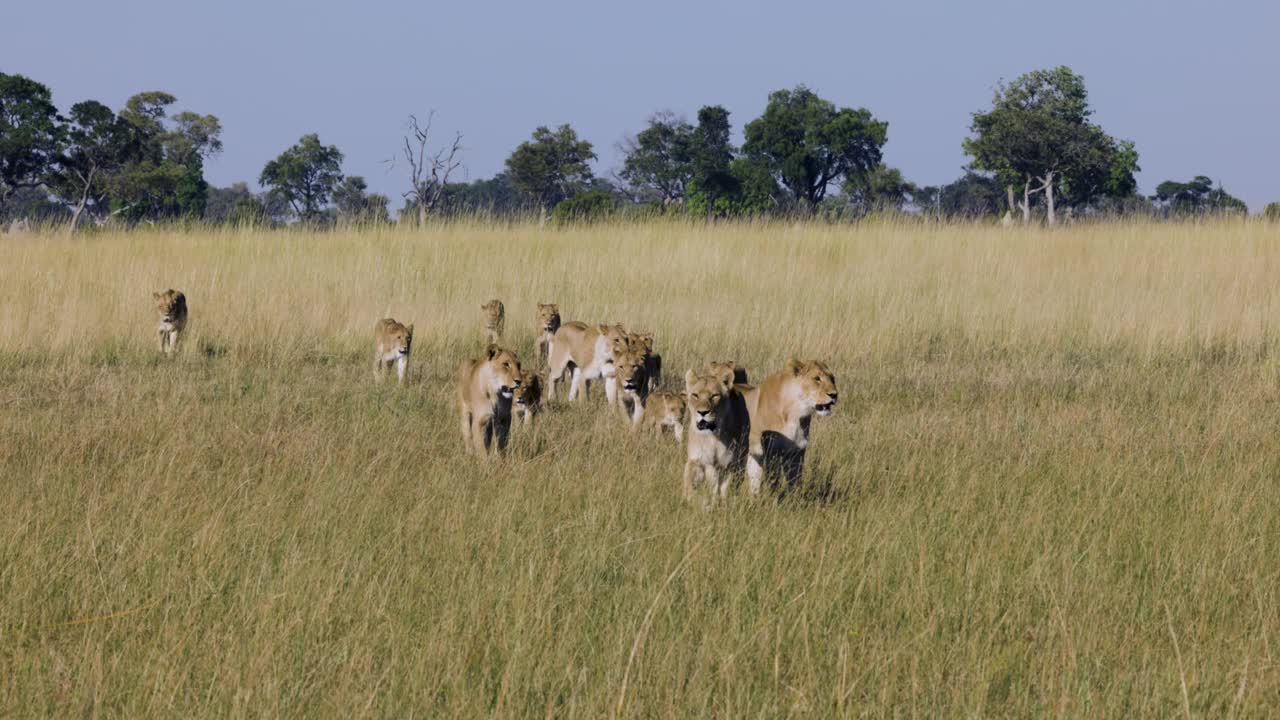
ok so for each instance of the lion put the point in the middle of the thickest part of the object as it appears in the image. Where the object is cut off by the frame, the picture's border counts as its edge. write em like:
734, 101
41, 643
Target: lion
718, 430
548, 324
485, 387
171, 309
391, 344
652, 360
528, 396
495, 320
717, 366
665, 410
781, 409
589, 350
632, 378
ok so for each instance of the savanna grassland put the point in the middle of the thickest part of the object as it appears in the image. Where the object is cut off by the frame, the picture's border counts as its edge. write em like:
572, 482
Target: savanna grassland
1051, 485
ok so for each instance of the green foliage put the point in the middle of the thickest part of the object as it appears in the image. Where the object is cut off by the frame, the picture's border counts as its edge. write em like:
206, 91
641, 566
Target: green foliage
305, 176
551, 166
808, 144
96, 142
1038, 131
747, 189
881, 188
357, 206
588, 206
970, 196
29, 134
1271, 212
1197, 197
658, 161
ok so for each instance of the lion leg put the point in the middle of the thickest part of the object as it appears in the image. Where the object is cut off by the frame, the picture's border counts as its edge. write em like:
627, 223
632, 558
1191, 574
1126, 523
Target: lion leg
755, 471
484, 436
678, 431
578, 384
501, 432
691, 478
173, 341
467, 442
164, 339
401, 364
611, 390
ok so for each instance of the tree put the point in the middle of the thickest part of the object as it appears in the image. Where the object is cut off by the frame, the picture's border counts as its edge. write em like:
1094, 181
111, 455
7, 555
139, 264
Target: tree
493, 196
95, 142
357, 206
304, 176
1271, 213
551, 166
808, 144
1038, 132
1197, 197
881, 188
659, 159
29, 134
428, 174
161, 173
713, 155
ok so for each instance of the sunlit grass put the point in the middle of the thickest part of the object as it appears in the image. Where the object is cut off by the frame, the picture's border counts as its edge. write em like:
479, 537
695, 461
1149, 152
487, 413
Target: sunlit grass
1049, 487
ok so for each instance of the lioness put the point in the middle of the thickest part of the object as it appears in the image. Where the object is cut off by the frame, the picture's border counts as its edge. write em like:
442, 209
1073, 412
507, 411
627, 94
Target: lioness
665, 410
717, 432
528, 396
633, 382
589, 350
495, 320
652, 360
718, 366
485, 387
171, 310
781, 409
391, 344
548, 324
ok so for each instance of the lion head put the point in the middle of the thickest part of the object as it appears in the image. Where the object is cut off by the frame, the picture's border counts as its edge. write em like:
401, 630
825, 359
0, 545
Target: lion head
170, 305
720, 367
629, 368
549, 317
707, 397
669, 407
529, 392
816, 385
398, 338
493, 312
504, 371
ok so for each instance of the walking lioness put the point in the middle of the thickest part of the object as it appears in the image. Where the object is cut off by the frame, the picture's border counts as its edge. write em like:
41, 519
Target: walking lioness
665, 410
171, 311
391, 345
589, 350
781, 409
548, 324
633, 382
485, 387
495, 320
717, 433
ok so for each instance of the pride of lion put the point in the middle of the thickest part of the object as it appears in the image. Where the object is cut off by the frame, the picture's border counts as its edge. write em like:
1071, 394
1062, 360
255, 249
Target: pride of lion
729, 428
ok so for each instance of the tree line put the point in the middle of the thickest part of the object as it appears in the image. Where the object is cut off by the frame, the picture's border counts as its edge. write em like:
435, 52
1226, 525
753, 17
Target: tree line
1035, 154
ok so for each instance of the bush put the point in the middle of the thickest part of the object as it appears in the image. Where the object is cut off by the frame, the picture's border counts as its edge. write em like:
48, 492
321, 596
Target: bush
589, 206
1272, 212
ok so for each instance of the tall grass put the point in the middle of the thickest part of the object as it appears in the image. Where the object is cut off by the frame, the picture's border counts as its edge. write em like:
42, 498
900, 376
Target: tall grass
1049, 488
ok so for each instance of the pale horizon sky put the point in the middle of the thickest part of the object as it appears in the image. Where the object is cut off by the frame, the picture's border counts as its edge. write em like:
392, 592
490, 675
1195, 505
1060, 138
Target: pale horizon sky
1187, 81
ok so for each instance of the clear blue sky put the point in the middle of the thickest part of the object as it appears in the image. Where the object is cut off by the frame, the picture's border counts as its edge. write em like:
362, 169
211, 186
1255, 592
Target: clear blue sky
1193, 83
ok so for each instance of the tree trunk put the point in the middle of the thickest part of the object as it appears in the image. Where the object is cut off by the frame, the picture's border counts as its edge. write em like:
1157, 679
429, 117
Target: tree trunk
1026, 202
1048, 198
422, 213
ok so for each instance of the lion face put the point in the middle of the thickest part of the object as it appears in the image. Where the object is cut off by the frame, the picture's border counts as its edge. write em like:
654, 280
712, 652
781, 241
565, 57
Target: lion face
615, 338
170, 305
817, 385
729, 367
529, 392
399, 339
644, 341
707, 397
629, 368
549, 317
493, 312
504, 371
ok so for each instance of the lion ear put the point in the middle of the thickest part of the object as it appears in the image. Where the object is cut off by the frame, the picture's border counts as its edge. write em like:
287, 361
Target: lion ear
726, 377
688, 379
794, 366
555, 307
156, 295
492, 351
411, 328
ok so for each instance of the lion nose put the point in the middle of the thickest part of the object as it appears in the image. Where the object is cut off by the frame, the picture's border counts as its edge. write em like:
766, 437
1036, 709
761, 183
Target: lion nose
515, 383
703, 413
833, 396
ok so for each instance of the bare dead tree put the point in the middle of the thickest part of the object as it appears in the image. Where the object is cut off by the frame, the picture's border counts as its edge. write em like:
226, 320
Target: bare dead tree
428, 173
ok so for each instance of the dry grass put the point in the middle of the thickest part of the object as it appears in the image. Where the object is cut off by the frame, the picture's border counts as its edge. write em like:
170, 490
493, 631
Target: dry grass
1050, 487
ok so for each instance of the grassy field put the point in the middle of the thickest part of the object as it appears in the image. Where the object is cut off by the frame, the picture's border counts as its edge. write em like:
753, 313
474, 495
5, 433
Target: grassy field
1051, 486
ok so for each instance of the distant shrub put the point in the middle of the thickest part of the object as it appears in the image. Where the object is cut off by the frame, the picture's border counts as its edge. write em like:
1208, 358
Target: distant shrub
1272, 212
589, 206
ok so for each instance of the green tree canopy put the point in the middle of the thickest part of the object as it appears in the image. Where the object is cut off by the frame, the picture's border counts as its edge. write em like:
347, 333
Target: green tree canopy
551, 166
356, 205
305, 176
808, 143
1196, 197
658, 161
96, 143
29, 134
1038, 133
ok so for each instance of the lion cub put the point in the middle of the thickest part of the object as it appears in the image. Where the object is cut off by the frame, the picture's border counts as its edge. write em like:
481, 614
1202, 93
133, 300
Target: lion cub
391, 345
485, 387
665, 410
781, 409
528, 396
717, 432
548, 324
495, 320
171, 310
